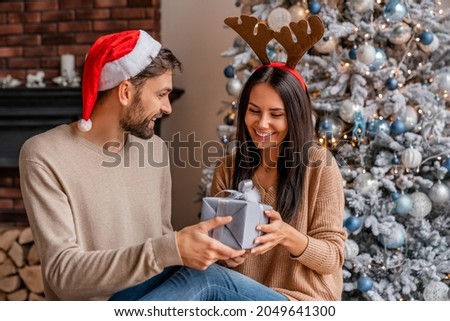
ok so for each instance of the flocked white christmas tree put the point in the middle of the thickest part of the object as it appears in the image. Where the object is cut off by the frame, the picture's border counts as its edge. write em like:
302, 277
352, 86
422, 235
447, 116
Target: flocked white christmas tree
380, 85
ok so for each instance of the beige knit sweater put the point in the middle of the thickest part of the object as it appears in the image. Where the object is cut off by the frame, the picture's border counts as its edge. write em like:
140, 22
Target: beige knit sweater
101, 222
317, 273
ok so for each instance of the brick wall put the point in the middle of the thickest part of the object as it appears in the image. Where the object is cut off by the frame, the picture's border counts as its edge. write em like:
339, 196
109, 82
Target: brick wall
33, 36
35, 33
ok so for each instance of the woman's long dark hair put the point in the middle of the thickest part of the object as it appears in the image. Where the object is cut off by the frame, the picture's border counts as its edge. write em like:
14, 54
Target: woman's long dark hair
291, 162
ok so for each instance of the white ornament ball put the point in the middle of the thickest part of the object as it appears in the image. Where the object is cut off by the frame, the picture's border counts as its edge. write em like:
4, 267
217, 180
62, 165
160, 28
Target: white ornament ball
278, 18
365, 184
434, 45
421, 205
436, 291
366, 54
447, 182
326, 45
234, 87
361, 6
297, 12
400, 34
410, 117
348, 110
439, 193
351, 249
395, 239
411, 158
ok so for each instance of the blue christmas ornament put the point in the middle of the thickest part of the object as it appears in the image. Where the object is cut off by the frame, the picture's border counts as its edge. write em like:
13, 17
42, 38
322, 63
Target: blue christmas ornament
353, 223
394, 11
382, 126
403, 205
395, 239
314, 7
395, 161
365, 284
446, 164
426, 38
398, 127
352, 53
391, 83
380, 59
229, 71
395, 196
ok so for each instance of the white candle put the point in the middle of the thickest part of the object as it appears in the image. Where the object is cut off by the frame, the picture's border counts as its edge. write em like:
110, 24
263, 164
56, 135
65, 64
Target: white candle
67, 65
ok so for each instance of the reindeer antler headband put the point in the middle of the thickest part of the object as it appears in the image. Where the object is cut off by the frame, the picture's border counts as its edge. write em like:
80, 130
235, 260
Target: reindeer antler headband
258, 35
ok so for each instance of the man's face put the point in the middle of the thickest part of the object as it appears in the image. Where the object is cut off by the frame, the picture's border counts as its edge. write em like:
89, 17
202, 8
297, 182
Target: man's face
152, 103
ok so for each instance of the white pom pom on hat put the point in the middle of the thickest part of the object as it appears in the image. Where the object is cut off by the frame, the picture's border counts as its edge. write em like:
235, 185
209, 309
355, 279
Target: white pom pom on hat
112, 59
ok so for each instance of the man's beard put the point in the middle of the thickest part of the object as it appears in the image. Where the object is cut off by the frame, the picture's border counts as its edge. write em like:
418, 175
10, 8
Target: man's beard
133, 121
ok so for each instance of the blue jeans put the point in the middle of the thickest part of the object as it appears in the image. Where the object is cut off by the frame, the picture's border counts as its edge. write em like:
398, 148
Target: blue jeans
216, 283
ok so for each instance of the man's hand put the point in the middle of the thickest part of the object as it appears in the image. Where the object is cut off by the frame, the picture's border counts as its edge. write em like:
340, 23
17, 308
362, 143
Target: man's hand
198, 250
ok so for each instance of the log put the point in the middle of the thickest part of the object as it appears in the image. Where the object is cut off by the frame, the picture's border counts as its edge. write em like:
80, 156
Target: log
7, 238
19, 295
7, 268
16, 254
31, 276
10, 284
33, 256
26, 236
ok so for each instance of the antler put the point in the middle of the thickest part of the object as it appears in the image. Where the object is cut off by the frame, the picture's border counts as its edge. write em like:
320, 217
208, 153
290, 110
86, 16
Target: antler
246, 29
305, 40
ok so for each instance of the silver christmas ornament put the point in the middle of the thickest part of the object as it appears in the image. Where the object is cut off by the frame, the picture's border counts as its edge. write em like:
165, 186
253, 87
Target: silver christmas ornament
234, 87
278, 18
365, 184
400, 34
411, 158
410, 117
326, 45
330, 127
361, 6
443, 81
366, 54
351, 249
421, 205
436, 291
395, 239
297, 12
439, 193
348, 109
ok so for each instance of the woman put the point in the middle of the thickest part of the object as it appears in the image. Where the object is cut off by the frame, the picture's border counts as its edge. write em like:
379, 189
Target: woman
301, 253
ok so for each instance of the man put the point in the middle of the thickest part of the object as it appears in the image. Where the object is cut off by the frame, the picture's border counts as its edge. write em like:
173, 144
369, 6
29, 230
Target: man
97, 192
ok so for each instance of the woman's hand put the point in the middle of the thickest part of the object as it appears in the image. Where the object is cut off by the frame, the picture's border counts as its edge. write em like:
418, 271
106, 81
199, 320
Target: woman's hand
235, 261
279, 232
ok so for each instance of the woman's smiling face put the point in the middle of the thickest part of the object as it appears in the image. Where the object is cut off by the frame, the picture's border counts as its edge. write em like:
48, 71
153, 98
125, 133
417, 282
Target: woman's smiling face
266, 117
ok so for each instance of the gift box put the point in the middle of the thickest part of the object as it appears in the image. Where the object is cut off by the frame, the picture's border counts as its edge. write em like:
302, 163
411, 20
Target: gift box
247, 213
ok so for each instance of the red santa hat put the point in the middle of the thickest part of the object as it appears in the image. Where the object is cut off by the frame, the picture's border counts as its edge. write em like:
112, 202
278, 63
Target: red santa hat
112, 59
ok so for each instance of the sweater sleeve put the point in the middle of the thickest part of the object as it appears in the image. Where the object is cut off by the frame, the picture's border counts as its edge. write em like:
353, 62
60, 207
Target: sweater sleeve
326, 235
70, 272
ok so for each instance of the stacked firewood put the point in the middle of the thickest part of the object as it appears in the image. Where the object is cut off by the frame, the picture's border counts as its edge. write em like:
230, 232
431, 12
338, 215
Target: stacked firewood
20, 269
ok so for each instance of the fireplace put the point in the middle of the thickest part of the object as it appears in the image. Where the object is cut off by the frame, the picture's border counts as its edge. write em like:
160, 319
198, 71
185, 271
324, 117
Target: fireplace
25, 112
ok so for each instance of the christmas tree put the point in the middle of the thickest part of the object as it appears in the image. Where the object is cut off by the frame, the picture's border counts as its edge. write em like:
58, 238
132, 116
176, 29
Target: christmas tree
380, 83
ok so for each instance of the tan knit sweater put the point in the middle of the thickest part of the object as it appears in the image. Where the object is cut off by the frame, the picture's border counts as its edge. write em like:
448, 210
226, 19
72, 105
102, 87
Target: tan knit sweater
317, 273
101, 222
